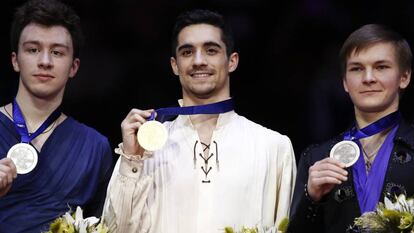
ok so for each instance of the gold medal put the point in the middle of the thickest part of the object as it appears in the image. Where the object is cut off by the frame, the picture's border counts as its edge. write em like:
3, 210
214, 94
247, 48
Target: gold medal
346, 152
24, 157
152, 135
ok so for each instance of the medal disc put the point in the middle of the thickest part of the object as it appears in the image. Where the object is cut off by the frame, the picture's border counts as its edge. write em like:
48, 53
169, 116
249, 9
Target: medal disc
152, 135
24, 157
346, 152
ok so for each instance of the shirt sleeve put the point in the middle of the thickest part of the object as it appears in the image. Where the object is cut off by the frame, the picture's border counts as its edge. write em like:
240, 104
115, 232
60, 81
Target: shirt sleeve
126, 209
280, 181
286, 175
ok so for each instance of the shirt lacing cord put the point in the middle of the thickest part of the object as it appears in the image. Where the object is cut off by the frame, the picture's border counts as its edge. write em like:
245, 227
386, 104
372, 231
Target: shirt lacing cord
205, 168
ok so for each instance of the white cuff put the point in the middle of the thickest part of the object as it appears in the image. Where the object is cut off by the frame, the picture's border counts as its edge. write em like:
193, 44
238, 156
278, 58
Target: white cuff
120, 151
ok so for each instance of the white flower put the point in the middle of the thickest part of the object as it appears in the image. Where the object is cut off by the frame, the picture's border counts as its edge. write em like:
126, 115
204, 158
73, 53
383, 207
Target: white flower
388, 204
81, 224
400, 205
91, 221
396, 216
268, 230
77, 223
69, 219
410, 203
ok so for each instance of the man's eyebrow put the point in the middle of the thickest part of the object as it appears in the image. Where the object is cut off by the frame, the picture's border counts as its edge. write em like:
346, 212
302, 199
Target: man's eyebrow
353, 63
185, 46
382, 61
38, 43
212, 43
208, 43
376, 62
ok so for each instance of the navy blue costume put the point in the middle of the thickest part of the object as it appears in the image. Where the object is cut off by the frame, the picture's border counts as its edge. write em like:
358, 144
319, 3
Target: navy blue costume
74, 168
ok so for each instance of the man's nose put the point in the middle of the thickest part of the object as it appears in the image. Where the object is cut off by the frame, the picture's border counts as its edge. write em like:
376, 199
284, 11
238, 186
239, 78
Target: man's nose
45, 60
199, 58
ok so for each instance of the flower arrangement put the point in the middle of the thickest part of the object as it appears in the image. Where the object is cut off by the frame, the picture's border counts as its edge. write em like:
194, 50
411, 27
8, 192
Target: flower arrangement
391, 216
281, 228
75, 223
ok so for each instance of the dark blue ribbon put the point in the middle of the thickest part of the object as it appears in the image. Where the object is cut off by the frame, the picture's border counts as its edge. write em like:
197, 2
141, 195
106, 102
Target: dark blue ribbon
368, 187
214, 108
21, 126
373, 128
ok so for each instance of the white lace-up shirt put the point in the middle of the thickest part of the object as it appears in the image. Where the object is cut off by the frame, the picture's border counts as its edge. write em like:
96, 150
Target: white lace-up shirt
247, 180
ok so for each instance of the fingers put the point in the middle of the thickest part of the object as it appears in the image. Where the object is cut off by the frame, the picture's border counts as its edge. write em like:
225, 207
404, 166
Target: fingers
130, 126
326, 179
134, 120
137, 115
324, 175
332, 161
7, 172
328, 171
11, 168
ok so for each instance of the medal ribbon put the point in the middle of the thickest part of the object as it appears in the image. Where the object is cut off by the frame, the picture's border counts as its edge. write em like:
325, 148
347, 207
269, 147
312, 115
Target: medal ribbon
213, 108
21, 127
373, 128
368, 187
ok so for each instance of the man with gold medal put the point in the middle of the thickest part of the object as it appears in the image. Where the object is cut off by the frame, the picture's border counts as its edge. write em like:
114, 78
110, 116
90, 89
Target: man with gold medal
49, 162
216, 168
348, 175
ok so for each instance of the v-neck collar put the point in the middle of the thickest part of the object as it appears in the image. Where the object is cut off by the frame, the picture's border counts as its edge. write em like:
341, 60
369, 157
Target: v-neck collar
9, 124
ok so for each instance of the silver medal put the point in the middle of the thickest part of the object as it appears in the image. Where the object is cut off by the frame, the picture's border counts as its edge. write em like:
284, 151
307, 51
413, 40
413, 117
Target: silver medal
346, 152
24, 157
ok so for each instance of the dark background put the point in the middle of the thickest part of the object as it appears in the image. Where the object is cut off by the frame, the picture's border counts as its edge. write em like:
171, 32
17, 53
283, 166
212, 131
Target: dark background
287, 80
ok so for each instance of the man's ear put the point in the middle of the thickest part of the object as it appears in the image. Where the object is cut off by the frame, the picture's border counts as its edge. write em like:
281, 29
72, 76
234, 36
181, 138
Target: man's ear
233, 62
14, 62
405, 79
174, 66
74, 68
345, 84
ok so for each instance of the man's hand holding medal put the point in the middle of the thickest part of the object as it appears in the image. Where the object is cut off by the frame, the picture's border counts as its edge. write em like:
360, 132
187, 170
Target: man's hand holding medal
7, 174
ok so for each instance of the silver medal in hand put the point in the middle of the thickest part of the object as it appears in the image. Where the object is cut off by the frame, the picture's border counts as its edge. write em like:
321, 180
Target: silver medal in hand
24, 157
346, 152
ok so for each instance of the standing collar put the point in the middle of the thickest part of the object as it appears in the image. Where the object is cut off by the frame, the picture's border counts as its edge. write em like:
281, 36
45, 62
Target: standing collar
223, 119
